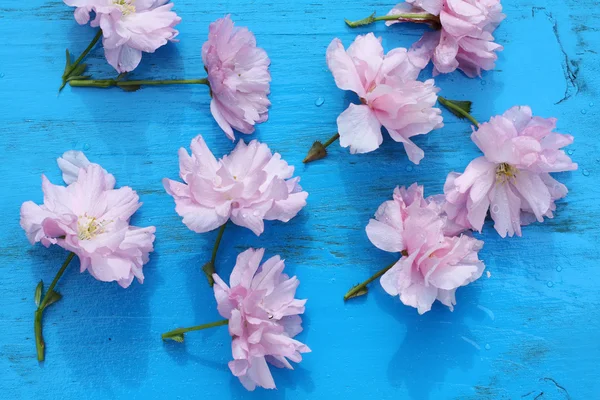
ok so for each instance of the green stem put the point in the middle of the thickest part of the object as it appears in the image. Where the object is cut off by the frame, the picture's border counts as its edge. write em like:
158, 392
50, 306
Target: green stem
217, 243
451, 106
37, 324
209, 268
181, 331
414, 17
331, 140
106, 83
352, 292
72, 67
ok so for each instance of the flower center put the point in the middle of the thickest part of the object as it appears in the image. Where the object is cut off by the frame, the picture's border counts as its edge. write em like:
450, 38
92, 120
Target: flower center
88, 228
505, 172
126, 6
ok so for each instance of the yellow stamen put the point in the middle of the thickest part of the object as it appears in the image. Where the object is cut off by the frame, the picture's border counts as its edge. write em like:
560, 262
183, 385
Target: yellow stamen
126, 6
505, 172
88, 228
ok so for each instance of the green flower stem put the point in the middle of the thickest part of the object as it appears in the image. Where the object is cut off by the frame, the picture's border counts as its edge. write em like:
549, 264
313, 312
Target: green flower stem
451, 106
209, 268
358, 288
72, 67
37, 324
414, 17
217, 243
106, 83
331, 140
181, 331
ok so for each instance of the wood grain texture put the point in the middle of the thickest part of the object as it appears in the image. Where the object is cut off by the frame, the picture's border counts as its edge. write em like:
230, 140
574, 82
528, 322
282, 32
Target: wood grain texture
530, 328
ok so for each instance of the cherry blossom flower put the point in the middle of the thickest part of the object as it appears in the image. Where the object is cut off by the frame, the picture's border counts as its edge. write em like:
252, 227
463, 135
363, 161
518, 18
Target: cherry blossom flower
512, 178
248, 186
239, 77
465, 40
433, 263
129, 27
389, 92
90, 218
263, 315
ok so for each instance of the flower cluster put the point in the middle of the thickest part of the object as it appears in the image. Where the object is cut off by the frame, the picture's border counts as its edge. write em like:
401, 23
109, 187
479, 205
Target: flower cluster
511, 182
90, 218
389, 92
512, 178
248, 186
263, 317
129, 27
239, 77
434, 261
464, 40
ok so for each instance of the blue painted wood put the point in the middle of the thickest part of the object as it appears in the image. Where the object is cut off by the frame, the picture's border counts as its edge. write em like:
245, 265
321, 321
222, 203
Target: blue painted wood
531, 327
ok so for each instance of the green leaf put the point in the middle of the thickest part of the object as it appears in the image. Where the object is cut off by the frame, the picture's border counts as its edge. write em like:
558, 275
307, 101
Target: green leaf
177, 338
361, 292
78, 70
209, 270
463, 105
38, 293
365, 21
130, 88
68, 63
53, 297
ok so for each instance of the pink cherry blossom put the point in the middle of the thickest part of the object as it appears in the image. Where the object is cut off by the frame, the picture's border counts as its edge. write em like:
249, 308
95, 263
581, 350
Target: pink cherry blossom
248, 186
263, 317
129, 27
239, 77
513, 176
389, 92
465, 40
90, 218
433, 263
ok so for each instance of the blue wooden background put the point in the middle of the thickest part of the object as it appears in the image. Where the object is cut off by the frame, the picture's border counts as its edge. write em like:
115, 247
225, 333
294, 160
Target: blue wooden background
531, 328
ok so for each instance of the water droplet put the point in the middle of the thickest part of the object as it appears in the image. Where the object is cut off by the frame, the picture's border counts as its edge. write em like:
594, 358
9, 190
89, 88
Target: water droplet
495, 209
584, 111
86, 146
483, 83
1, 74
409, 168
585, 172
597, 159
550, 284
558, 269
244, 215
256, 213
570, 152
592, 104
487, 347
319, 102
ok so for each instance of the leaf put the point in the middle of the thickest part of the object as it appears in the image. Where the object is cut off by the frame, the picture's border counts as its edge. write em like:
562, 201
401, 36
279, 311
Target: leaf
363, 291
365, 21
53, 297
177, 338
130, 88
79, 70
462, 105
38, 293
316, 152
209, 270
68, 63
